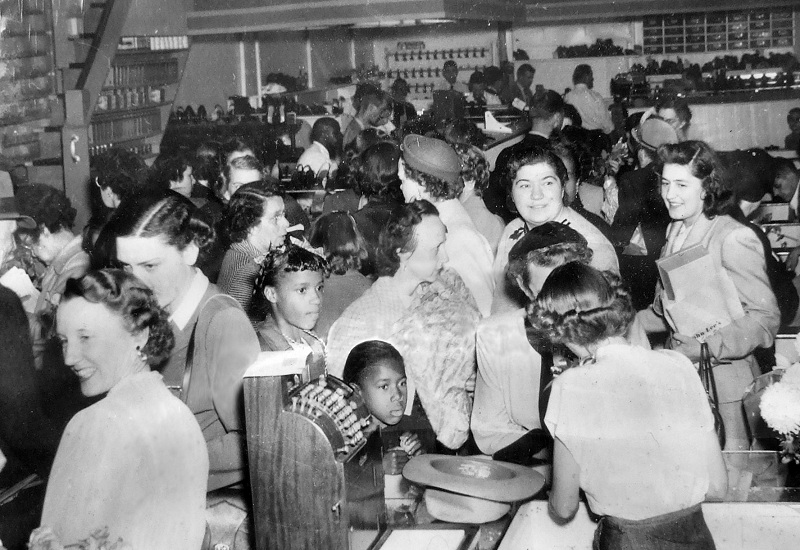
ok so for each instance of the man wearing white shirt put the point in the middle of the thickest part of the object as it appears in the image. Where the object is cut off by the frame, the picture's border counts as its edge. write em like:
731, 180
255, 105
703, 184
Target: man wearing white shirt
450, 78
326, 142
590, 105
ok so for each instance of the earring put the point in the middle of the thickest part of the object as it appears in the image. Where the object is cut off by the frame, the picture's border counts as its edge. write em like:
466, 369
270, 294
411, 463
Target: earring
142, 355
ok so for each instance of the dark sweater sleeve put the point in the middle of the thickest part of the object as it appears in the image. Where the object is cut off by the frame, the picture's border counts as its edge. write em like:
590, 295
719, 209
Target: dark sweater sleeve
26, 434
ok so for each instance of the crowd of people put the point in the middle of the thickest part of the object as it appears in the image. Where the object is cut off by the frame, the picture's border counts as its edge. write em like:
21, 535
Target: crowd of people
515, 312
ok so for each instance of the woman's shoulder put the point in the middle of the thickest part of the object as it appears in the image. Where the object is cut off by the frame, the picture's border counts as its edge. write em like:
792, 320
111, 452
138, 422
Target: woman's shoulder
584, 227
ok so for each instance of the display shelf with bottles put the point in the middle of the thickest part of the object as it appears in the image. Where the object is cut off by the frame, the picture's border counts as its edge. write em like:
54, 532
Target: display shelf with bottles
134, 104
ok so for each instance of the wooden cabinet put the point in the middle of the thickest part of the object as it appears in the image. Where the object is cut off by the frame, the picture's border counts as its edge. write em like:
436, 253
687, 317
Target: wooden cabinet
134, 103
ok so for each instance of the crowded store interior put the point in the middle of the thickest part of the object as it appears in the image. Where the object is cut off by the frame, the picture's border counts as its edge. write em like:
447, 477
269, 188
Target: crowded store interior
341, 275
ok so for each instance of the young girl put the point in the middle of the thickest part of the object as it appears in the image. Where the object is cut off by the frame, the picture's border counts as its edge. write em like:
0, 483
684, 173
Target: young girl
377, 368
287, 296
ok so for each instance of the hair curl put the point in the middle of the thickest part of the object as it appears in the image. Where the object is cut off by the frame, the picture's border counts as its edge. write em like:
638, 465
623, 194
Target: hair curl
365, 356
172, 217
438, 188
246, 208
125, 295
344, 246
474, 166
705, 165
279, 262
47, 206
398, 235
580, 305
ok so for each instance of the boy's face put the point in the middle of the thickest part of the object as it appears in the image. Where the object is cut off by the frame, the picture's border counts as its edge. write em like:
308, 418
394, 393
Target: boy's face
297, 298
385, 393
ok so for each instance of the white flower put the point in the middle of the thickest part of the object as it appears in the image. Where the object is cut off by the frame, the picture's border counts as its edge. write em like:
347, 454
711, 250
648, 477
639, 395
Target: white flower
780, 407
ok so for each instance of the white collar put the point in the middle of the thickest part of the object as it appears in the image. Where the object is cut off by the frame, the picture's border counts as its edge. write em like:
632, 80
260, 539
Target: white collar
190, 301
324, 149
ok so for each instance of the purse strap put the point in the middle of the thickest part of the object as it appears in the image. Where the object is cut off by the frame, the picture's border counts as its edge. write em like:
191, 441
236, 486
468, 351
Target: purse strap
182, 391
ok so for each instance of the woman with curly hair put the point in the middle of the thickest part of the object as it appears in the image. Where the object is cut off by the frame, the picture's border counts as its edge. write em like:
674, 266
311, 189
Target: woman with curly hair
135, 462
256, 224
375, 178
344, 248
431, 170
622, 421
475, 176
696, 195
536, 181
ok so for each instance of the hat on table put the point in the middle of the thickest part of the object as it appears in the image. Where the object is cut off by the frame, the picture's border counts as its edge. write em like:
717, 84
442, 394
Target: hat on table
432, 156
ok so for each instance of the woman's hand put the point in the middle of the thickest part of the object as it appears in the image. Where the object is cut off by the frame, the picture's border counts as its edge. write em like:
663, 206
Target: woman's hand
687, 345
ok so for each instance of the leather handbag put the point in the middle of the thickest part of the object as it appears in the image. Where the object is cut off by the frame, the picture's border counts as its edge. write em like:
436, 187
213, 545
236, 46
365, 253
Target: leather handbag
706, 371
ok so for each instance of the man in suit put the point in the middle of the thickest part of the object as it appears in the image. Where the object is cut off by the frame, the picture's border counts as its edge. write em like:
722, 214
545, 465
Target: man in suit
640, 222
546, 116
521, 89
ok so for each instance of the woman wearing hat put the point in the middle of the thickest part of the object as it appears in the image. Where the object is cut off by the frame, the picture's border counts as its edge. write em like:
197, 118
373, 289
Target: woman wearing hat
431, 170
632, 427
536, 182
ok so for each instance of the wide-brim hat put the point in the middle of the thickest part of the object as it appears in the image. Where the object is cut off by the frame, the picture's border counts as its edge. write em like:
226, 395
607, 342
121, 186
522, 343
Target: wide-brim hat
10, 211
432, 156
474, 476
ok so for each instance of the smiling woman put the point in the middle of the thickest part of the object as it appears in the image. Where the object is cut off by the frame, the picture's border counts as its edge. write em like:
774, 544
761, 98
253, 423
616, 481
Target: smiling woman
135, 461
536, 185
697, 197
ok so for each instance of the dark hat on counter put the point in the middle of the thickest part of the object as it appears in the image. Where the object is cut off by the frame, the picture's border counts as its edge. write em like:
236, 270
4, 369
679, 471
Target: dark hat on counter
432, 156
654, 132
542, 236
10, 211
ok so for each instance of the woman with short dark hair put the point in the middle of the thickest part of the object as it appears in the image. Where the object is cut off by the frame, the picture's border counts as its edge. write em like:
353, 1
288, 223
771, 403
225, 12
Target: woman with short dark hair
536, 182
697, 197
623, 419
344, 248
159, 240
135, 462
256, 224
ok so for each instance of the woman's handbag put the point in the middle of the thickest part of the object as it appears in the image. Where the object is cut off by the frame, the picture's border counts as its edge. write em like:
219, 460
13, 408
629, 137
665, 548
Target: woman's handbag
706, 371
